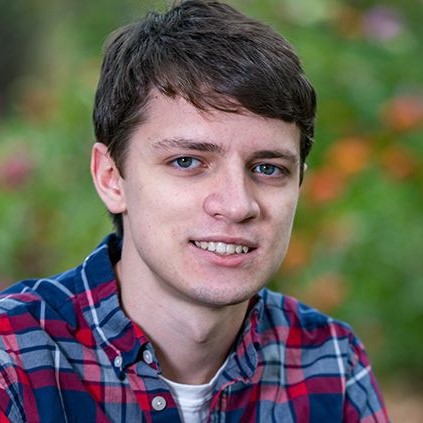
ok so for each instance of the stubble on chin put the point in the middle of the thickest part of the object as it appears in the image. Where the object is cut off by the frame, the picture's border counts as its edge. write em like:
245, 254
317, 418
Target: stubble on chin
216, 297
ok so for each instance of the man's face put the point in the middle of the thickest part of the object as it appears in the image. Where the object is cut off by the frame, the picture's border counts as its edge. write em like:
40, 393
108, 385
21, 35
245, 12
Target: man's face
208, 201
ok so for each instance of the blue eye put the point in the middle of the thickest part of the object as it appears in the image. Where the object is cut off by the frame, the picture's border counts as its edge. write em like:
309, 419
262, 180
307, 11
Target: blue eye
186, 162
267, 169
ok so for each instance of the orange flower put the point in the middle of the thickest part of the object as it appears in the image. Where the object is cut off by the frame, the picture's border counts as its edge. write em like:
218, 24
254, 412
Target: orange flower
399, 162
298, 253
404, 113
326, 292
350, 155
325, 184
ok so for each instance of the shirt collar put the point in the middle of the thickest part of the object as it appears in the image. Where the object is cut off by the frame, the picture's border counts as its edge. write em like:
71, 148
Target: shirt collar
243, 360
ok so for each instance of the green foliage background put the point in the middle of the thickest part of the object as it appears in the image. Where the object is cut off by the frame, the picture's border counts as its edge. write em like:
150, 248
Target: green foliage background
357, 248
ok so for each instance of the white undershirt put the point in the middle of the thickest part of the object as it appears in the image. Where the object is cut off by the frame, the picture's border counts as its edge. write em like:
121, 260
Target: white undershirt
193, 401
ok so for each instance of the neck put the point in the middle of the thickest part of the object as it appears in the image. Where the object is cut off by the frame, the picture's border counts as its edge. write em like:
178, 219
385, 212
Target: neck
192, 351
191, 341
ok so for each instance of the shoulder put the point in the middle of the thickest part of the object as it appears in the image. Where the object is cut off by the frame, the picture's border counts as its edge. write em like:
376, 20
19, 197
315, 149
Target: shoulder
287, 322
31, 311
43, 321
279, 309
305, 350
53, 298
35, 296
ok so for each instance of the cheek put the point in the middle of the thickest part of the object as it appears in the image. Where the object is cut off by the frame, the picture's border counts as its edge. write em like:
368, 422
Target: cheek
282, 209
280, 223
158, 205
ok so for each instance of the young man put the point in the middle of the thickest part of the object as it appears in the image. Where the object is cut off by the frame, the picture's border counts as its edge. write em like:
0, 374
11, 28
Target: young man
203, 120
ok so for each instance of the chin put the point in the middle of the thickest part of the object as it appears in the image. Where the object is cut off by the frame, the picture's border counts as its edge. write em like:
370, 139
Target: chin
223, 297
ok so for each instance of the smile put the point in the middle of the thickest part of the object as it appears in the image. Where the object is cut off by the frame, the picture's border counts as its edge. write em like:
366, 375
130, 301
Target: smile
222, 248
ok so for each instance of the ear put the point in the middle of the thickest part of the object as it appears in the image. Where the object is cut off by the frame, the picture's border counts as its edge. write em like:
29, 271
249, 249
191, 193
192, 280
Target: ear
304, 170
107, 179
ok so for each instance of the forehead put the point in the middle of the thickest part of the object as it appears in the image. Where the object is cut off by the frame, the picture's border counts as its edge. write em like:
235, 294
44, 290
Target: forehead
169, 122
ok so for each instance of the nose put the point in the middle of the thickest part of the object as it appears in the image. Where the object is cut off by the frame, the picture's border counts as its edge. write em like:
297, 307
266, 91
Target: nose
232, 198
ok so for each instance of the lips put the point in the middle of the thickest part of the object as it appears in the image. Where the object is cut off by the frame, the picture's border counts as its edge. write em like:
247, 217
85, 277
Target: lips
222, 248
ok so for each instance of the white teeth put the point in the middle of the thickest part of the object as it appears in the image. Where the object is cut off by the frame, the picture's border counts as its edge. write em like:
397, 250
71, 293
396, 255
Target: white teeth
230, 249
222, 248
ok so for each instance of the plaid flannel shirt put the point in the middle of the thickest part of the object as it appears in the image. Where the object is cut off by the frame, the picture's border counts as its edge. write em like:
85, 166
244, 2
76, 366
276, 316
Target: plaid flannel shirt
68, 353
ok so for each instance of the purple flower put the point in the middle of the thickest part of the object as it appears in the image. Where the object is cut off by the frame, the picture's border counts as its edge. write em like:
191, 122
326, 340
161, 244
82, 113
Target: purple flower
382, 23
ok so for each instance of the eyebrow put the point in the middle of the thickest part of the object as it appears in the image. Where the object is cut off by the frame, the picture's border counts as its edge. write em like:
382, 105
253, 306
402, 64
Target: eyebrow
188, 144
277, 154
211, 147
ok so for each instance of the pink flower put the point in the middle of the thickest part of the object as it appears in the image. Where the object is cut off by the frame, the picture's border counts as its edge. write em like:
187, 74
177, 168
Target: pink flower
15, 171
382, 23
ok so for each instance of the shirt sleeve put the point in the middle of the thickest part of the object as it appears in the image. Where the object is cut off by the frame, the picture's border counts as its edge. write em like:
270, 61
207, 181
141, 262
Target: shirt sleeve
363, 402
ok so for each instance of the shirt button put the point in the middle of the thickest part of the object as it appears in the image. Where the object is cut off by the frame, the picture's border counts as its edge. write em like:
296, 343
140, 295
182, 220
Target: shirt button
118, 361
158, 403
147, 356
